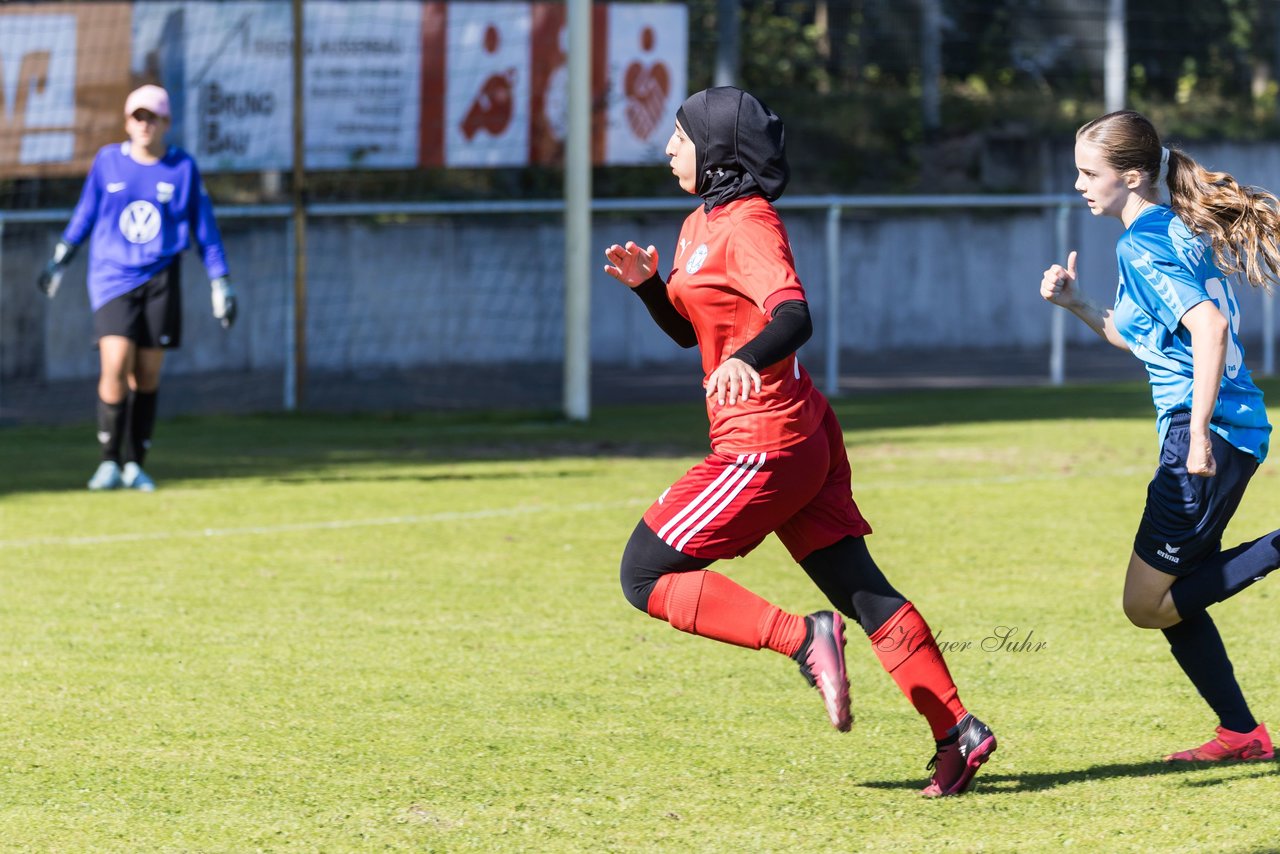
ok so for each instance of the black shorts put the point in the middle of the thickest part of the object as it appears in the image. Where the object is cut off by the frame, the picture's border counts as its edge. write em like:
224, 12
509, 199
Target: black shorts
1185, 515
150, 315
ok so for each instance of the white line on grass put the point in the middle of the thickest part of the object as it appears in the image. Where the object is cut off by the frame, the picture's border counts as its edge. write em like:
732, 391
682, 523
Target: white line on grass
327, 525
499, 512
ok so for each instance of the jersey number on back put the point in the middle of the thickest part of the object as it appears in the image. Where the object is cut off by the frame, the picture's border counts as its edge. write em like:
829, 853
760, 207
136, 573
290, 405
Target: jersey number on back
1220, 292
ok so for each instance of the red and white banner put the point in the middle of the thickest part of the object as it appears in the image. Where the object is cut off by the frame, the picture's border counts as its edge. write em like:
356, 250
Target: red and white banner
647, 72
471, 69
486, 120
550, 81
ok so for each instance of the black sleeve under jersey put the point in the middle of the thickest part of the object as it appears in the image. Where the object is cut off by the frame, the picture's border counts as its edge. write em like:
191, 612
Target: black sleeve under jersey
653, 292
788, 329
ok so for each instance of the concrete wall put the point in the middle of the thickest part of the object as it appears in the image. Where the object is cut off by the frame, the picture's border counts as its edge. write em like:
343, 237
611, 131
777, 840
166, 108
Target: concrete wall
440, 291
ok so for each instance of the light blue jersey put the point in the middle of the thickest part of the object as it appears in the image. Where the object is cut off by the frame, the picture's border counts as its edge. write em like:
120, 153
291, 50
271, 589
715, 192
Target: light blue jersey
141, 216
1165, 270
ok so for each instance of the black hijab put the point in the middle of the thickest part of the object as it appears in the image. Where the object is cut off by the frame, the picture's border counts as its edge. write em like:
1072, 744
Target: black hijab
741, 145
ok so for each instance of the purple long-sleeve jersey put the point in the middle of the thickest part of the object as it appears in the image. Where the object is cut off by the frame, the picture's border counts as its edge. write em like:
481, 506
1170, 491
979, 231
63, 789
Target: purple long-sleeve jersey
141, 217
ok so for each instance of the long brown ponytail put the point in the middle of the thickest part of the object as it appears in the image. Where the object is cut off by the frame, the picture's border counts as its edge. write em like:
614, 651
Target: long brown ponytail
1243, 223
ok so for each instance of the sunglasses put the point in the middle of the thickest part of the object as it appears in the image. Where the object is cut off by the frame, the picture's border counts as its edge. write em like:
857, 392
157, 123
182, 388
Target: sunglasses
144, 116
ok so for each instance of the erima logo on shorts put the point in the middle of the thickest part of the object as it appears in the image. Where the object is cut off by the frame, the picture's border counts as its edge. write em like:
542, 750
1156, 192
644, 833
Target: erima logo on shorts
697, 260
140, 222
1168, 553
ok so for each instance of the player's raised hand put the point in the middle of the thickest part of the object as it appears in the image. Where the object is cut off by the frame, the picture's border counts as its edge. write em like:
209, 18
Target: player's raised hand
630, 264
1059, 283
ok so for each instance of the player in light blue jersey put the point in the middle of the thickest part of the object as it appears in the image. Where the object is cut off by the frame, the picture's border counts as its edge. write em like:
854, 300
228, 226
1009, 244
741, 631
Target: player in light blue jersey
143, 203
1175, 310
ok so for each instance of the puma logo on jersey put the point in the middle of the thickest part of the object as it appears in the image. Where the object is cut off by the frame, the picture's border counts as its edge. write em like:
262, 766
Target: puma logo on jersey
683, 245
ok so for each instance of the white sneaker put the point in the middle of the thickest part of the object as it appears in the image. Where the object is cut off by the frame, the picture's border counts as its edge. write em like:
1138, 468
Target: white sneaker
135, 478
106, 477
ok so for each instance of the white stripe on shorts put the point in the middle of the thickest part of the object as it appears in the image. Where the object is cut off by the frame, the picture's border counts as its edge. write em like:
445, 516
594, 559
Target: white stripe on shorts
708, 505
750, 473
692, 504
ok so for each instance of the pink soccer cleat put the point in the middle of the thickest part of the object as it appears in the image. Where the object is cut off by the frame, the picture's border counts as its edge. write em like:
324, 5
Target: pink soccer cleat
821, 660
1228, 746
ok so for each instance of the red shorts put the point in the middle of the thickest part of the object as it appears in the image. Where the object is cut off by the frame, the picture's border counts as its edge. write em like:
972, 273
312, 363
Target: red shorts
727, 504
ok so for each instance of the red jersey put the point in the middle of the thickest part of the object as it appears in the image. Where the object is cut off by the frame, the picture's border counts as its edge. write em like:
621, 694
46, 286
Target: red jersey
732, 268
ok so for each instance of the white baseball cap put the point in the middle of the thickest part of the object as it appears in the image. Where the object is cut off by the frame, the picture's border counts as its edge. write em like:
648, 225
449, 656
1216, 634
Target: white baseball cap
149, 97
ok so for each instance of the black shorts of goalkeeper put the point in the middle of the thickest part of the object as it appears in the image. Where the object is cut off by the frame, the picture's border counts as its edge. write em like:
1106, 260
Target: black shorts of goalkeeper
1186, 514
150, 315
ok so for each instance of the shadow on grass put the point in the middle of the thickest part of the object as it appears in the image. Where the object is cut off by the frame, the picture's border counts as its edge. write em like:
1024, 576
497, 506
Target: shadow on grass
1195, 774
514, 474
311, 446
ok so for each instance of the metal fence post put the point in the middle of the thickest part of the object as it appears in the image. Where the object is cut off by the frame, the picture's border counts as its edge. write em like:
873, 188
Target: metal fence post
576, 369
290, 296
833, 301
1, 314
1057, 317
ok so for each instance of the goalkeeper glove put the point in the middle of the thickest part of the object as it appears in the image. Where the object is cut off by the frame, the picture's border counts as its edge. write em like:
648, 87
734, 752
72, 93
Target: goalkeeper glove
50, 278
224, 301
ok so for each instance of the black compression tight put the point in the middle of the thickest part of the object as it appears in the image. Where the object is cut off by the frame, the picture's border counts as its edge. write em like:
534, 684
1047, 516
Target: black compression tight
646, 559
847, 574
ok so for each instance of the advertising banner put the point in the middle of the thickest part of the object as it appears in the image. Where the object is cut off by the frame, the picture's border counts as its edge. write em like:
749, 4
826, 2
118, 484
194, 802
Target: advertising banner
486, 120
496, 74
550, 83
389, 84
362, 64
229, 71
64, 84
647, 72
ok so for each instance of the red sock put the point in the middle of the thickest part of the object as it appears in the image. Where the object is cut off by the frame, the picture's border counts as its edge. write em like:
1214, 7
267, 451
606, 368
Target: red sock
907, 650
709, 604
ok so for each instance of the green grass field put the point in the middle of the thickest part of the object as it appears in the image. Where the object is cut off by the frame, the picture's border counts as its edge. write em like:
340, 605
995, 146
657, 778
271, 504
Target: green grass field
406, 633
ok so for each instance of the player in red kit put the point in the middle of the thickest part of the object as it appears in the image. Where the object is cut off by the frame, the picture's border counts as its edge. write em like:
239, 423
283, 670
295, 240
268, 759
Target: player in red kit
778, 462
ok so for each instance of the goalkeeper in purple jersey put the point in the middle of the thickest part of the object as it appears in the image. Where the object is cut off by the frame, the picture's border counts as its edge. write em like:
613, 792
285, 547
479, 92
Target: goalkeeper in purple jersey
142, 204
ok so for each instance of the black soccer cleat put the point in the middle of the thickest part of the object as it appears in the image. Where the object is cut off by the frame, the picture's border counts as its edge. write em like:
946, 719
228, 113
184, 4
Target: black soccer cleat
959, 757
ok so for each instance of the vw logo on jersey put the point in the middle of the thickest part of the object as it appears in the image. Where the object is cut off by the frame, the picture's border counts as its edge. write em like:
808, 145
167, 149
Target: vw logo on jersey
696, 260
140, 222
